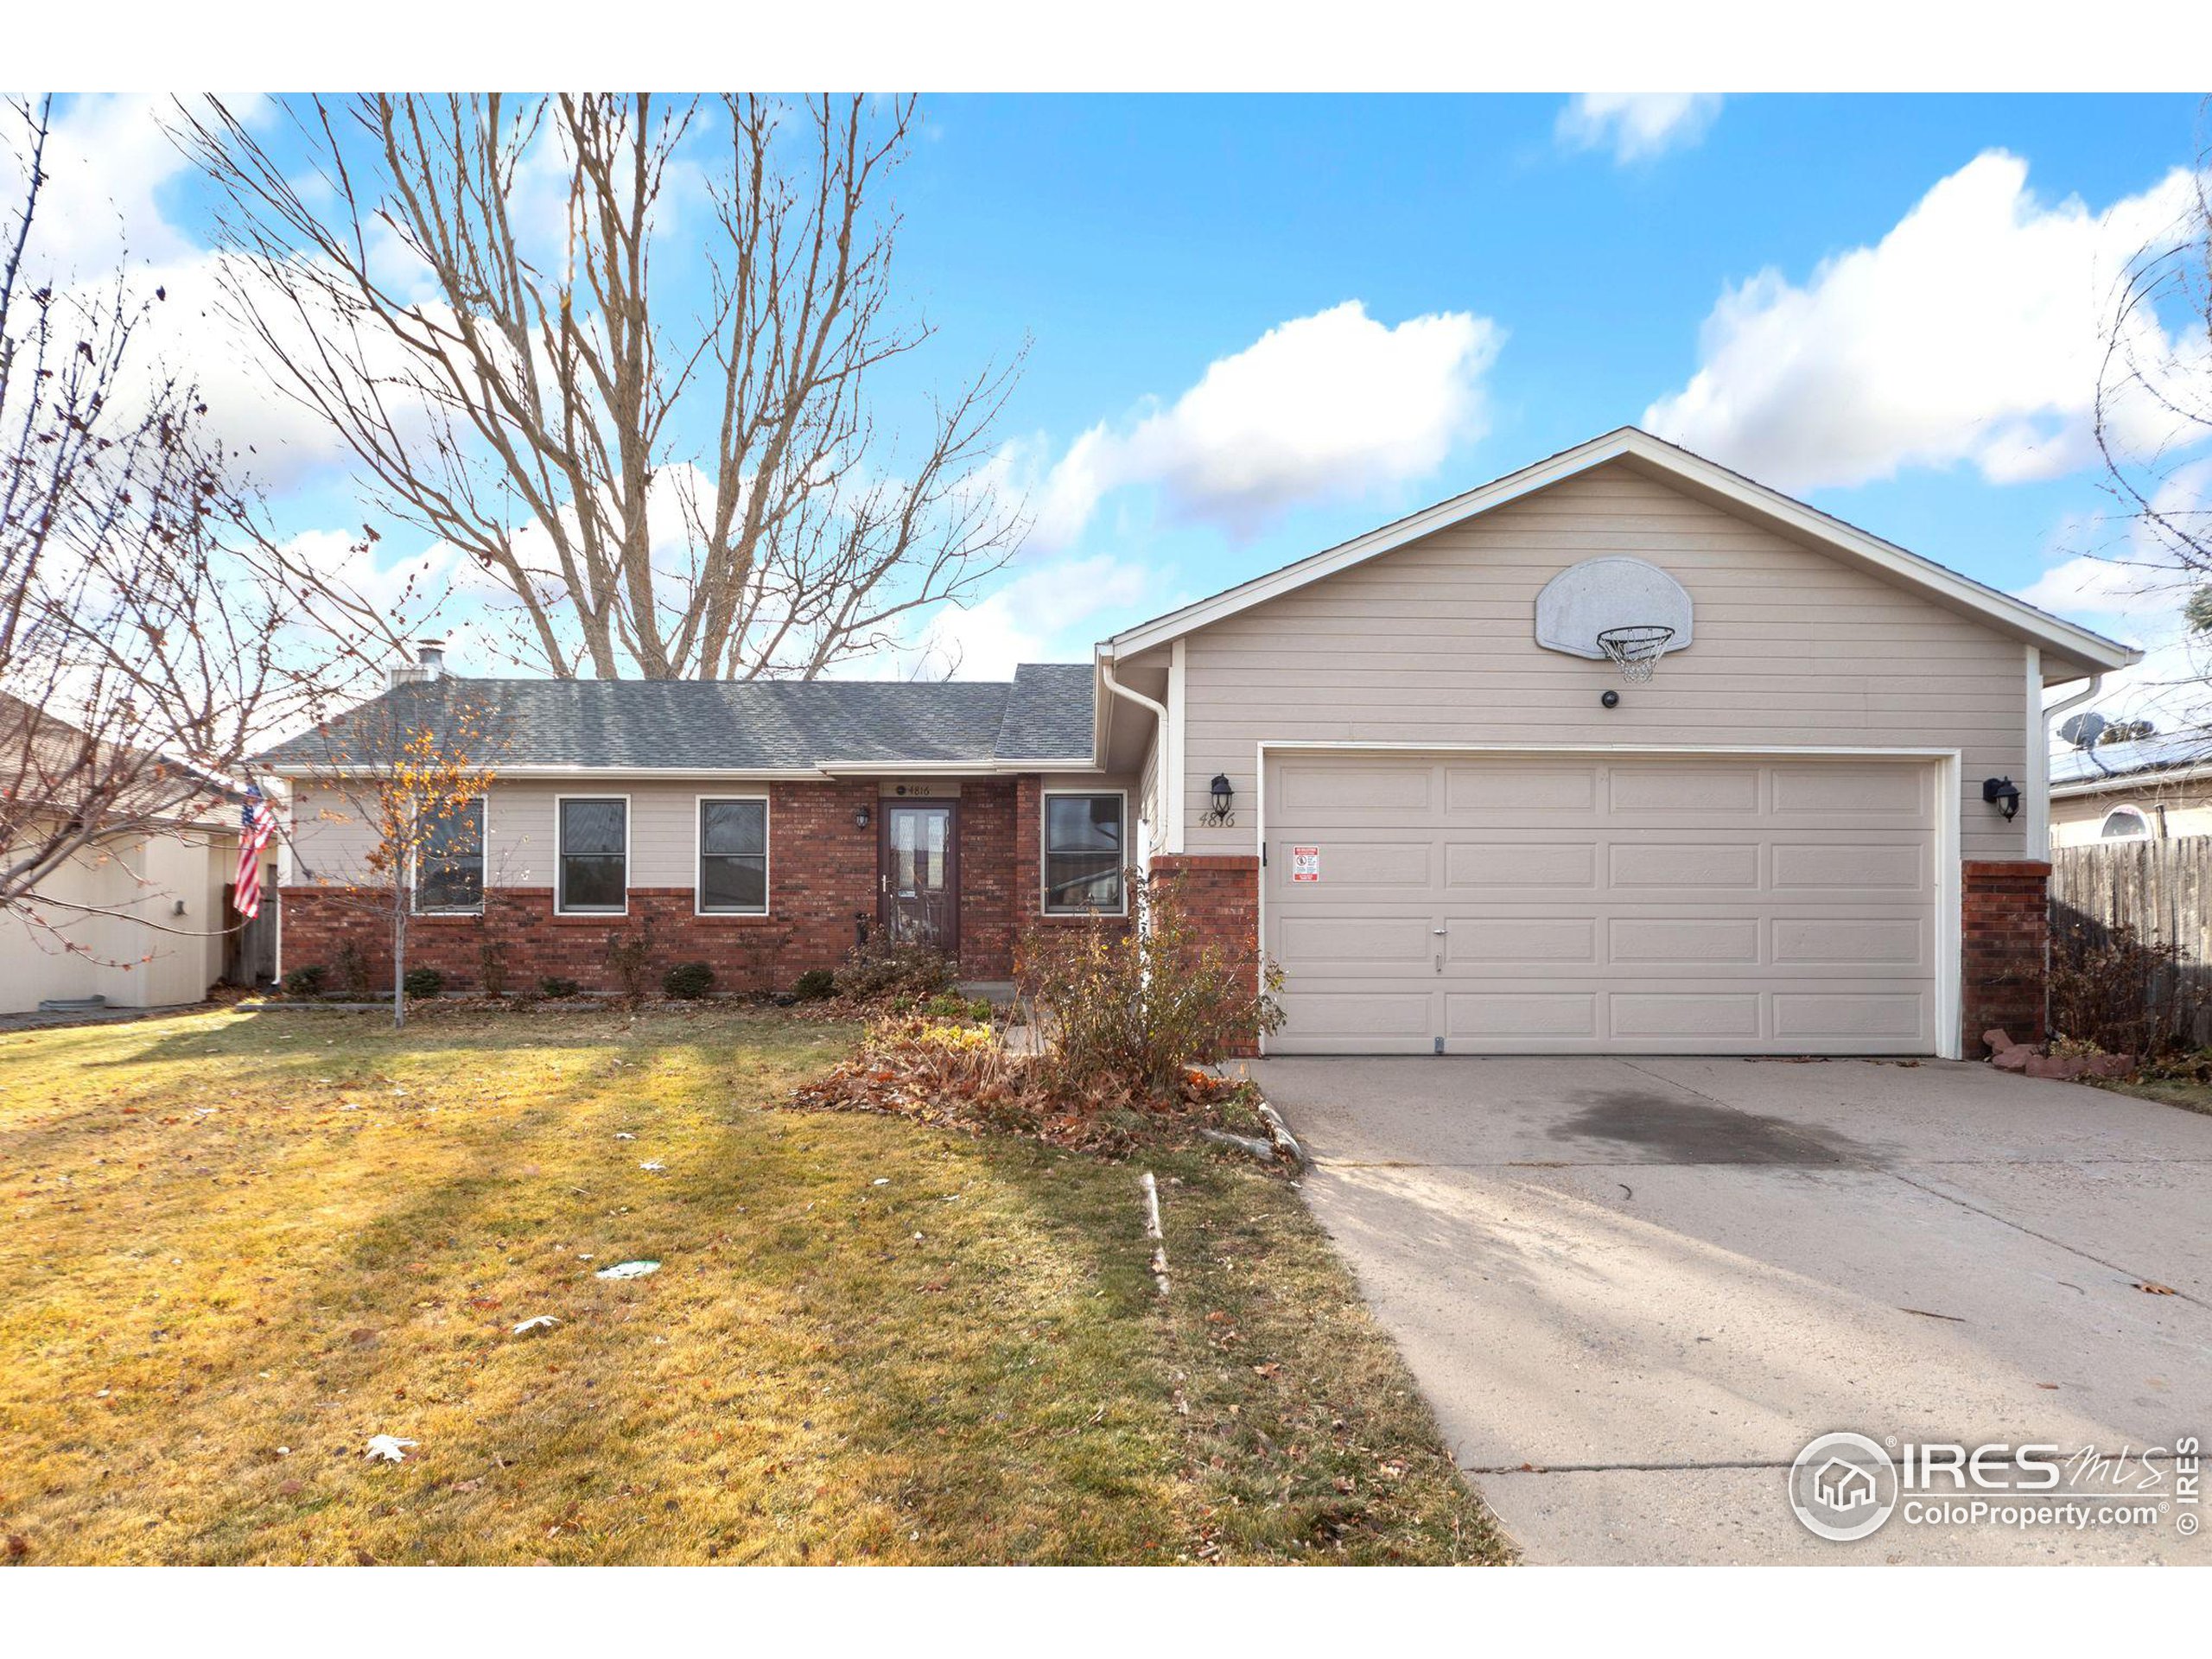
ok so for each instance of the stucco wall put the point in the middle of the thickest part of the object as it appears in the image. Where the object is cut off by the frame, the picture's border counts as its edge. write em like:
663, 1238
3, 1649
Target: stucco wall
1433, 643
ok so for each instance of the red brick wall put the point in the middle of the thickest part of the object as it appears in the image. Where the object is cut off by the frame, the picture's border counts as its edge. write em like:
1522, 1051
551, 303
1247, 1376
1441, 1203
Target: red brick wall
822, 883
1220, 895
2006, 933
988, 878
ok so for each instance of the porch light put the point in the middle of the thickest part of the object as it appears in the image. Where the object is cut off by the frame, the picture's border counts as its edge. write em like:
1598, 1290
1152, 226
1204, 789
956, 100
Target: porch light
1224, 800
2003, 794
860, 817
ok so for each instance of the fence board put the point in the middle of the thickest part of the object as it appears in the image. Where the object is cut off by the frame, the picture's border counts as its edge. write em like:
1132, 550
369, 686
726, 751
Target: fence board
2163, 890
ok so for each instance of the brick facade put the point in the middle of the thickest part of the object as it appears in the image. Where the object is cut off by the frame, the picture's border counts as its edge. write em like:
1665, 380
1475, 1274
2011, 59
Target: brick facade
2006, 934
823, 893
1220, 895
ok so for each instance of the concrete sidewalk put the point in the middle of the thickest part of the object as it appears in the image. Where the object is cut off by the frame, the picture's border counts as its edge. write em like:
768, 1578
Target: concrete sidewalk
1634, 1289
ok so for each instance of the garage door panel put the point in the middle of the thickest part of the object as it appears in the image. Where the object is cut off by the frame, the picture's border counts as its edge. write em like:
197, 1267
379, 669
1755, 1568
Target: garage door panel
1556, 1014
1871, 943
1683, 788
1813, 1017
1729, 1014
1829, 789
1712, 904
1703, 940
1512, 940
1312, 786
1359, 941
1684, 864
1505, 866
1494, 789
1901, 866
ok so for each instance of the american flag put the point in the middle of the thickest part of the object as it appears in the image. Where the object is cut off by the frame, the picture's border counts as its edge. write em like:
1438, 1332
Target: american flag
257, 824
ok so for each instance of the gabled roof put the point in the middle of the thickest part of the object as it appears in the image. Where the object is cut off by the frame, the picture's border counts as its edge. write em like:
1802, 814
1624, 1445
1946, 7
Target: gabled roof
1677, 466
1042, 716
2146, 761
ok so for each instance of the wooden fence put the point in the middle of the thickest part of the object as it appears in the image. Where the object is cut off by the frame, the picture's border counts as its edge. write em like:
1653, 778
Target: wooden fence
2163, 890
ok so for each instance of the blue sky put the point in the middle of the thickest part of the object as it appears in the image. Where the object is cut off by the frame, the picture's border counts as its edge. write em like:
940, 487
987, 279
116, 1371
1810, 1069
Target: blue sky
1887, 305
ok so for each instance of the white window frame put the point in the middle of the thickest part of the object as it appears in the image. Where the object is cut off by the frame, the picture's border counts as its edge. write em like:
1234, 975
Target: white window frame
483, 877
1044, 851
699, 803
2141, 817
560, 853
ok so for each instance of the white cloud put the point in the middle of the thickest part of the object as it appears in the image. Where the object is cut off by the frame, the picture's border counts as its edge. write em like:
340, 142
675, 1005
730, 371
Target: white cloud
1040, 617
1636, 126
1971, 332
1329, 407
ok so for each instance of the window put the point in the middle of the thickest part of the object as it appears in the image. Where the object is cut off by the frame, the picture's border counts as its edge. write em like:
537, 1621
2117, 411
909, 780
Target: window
1083, 854
595, 875
449, 863
733, 858
2126, 823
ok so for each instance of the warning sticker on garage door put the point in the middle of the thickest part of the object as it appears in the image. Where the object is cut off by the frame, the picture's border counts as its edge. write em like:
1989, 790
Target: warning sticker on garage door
1306, 863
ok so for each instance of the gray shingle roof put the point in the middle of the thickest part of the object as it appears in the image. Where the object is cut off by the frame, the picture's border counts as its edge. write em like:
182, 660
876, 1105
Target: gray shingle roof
1043, 714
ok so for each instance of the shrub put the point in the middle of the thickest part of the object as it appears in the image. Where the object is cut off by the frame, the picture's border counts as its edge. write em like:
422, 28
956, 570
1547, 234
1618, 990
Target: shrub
689, 981
2124, 993
629, 959
950, 1005
882, 967
306, 982
815, 984
352, 971
423, 982
492, 968
1134, 1006
554, 985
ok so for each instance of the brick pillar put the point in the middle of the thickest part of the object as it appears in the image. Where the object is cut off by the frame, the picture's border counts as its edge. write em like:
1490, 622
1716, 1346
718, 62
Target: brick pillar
1220, 894
2006, 933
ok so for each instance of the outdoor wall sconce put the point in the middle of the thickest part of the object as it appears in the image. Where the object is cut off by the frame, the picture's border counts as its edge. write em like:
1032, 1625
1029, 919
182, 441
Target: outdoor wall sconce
2003, 794
860, 817
1224, 801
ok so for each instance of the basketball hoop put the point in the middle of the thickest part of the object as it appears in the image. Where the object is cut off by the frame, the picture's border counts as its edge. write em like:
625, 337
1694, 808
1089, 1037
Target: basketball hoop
1635, 650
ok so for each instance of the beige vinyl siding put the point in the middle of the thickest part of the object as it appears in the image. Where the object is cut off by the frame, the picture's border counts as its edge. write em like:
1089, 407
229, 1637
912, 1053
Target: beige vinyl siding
519, 847
1432, 643
2076, 819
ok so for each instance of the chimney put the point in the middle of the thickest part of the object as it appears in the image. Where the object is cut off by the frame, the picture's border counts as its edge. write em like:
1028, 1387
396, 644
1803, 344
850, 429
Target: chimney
430, 664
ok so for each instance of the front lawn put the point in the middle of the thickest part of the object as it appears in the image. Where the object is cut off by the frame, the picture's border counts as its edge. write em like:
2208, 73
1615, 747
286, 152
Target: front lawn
239, 1245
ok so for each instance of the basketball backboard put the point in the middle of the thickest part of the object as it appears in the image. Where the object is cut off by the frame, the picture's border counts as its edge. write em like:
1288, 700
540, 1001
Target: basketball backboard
1586, 599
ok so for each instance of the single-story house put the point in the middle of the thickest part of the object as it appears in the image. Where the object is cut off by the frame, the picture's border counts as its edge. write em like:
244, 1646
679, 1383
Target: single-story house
1621, 753
138, 914
2151, 789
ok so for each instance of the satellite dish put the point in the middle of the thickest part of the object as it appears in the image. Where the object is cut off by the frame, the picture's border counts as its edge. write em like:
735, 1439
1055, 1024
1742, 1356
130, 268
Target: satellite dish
2082, 730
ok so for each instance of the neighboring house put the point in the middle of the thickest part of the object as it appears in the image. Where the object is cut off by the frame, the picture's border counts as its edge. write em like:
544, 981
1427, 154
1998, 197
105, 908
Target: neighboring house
1404, 765
2153, 789
139, 916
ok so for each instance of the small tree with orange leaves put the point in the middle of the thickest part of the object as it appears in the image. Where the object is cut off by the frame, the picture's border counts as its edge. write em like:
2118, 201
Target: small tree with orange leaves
410, 771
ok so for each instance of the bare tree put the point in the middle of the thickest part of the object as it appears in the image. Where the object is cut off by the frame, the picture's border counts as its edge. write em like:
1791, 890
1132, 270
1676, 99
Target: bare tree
2154, 402
407, 772
147, 616
666, 488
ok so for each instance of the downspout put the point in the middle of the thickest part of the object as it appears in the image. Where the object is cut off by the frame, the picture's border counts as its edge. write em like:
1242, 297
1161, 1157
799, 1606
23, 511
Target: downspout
1159, 731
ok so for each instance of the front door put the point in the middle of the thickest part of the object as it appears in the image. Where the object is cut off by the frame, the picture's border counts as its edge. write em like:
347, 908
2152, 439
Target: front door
920, 879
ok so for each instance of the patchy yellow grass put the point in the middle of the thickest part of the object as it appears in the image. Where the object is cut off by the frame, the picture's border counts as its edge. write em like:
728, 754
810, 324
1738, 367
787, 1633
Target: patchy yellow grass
239, 1245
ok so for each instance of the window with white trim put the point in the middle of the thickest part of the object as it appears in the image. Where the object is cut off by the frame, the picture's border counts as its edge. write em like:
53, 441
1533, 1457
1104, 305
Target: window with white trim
734, 857
449, 861
2124, 823
1084, 854
594, 860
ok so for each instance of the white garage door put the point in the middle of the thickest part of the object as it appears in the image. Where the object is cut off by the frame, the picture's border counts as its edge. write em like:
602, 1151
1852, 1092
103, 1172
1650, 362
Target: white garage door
1571, 903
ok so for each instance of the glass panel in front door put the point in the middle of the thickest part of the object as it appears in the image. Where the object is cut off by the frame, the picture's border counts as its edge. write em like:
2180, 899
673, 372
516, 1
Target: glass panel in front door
918, 880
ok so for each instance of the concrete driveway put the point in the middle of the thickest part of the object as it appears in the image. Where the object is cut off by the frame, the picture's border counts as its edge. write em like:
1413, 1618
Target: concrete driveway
1634, 1289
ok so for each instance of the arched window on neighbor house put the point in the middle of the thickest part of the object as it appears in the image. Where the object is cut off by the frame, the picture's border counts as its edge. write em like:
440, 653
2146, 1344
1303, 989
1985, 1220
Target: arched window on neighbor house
2124, 823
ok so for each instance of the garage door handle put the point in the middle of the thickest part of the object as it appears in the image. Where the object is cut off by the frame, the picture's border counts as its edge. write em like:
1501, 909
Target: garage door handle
1438, 931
